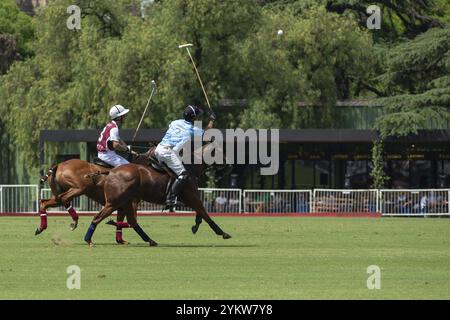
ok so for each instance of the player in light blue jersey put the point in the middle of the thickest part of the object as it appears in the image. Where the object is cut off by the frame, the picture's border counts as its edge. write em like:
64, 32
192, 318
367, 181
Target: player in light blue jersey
179, 132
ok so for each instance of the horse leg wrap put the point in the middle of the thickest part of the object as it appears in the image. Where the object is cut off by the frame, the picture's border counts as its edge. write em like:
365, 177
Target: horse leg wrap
141, 233
90, 232
43, 215
121, 224
71, 211
119, 235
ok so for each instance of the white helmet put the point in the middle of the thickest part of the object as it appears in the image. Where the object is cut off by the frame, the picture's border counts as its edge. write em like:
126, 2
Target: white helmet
117, 111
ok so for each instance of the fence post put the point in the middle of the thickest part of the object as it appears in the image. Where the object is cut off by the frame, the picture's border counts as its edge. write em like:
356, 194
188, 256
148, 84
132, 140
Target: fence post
240, 200
448, 201
313, 202
37, 198
378, 201
310, 201
1, 199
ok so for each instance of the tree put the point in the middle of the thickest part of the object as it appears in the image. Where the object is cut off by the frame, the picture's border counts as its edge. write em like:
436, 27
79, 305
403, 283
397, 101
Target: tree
417, 85
378, 175
400, 18
76, 76
63, 85
8, 52
319, 59
16, 34
322, 56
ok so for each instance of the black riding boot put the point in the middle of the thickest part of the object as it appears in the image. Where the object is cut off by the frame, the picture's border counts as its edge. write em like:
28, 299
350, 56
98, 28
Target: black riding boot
175, 191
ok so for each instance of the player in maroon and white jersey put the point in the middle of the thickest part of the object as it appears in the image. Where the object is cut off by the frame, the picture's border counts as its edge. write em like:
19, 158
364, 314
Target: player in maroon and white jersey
109, 141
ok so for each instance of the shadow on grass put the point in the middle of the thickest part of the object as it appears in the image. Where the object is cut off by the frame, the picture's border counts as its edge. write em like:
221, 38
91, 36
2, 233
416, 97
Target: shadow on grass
174, 245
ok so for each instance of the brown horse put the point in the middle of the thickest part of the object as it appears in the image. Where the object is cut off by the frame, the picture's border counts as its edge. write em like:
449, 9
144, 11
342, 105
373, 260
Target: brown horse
73, 178
132, 183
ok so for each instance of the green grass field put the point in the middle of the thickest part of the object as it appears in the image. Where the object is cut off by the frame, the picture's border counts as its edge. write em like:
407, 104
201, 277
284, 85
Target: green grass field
267, 258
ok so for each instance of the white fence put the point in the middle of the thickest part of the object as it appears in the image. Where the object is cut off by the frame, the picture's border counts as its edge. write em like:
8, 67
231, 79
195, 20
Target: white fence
398, 202
19, 198
221, 200
345, 201
409, 202
277, 201
214, 200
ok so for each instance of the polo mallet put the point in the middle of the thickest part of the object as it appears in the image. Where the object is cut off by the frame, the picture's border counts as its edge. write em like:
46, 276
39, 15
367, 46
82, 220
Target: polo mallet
153, 83
187, 45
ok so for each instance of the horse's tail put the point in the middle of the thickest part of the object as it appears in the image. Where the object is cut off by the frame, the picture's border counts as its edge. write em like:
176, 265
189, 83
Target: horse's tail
50, 172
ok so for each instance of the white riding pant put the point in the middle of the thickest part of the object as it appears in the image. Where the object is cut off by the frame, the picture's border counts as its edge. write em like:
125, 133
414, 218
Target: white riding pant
169, 157
112, 158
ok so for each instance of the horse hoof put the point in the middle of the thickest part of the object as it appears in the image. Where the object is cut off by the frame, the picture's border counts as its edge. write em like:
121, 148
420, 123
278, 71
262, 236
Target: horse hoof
90, 244
226, 236
152, 243
194, 229
123, 242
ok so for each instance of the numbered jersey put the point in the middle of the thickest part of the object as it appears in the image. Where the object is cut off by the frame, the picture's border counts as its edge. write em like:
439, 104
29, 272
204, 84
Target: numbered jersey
109, 133
179, 132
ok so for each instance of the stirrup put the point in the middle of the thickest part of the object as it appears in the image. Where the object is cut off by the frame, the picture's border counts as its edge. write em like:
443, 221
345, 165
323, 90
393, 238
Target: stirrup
170, 205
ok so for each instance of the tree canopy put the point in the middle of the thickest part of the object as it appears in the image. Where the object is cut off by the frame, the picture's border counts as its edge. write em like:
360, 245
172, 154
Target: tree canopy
417, 85
16, 34
254, 76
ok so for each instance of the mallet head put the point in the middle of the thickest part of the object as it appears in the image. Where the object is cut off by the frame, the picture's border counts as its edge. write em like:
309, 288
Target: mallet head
185, 45
153, 84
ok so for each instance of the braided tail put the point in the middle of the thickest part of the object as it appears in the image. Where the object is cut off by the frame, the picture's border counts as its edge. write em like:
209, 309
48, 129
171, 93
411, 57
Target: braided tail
49, 172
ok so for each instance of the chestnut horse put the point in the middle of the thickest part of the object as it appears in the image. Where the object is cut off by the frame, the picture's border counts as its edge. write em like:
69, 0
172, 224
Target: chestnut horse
73, 178
130, 183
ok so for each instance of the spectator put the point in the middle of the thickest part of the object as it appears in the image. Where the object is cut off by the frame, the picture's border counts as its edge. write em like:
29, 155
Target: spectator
221, 202
424, 204
403, 203
433, 200
276, 203
302, 204
233, 205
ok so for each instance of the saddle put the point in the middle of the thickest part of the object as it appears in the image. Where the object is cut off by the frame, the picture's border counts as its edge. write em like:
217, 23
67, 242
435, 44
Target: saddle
158, 166
161, 167
102, 163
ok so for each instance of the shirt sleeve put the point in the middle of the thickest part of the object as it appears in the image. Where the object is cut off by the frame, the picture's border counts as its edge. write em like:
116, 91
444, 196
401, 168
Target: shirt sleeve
114, 134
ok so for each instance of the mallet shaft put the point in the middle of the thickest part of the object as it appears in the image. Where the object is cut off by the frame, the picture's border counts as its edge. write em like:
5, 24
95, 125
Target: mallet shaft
199, 79
145, 111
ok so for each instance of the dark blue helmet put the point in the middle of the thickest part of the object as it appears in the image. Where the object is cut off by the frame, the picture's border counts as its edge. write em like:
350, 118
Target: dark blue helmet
192, 112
